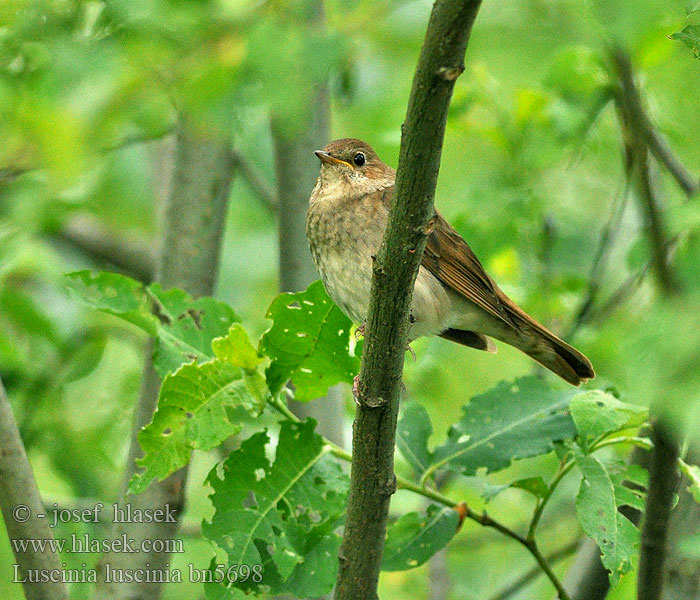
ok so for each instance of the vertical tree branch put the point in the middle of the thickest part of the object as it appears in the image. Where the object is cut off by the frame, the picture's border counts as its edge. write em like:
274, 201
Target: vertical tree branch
20, 500
372, 479
194, 217
635, 127
297, 170
644, 129
663, 481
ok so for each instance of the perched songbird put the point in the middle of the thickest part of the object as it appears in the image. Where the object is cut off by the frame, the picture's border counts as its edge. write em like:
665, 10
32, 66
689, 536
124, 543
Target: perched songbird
453, 296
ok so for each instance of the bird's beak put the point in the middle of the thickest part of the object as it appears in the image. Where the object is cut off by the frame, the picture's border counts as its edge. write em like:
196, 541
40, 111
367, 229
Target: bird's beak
324, 157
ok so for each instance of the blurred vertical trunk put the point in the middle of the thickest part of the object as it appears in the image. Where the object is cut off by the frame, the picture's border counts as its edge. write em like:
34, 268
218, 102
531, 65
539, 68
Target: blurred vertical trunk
297, 170
195, 205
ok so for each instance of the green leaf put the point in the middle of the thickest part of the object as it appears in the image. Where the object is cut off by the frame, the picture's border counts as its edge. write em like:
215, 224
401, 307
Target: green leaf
633, 494
511, 421
187, 327
27, 314
597, 511
412, 434
194, 413
114, 294
183, 327
309, 343
690, 36
535, 485
414, 538
280, 514
692, 472
236, 348
597, 413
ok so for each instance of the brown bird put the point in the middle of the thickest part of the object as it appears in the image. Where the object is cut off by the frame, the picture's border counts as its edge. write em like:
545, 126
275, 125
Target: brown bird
453, 296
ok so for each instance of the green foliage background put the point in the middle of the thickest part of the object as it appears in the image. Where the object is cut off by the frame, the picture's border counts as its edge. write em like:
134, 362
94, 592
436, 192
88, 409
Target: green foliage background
532, 168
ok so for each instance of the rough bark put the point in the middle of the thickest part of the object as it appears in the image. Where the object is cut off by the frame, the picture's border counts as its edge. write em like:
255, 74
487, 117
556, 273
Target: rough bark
193, 223
19, 492
372, 479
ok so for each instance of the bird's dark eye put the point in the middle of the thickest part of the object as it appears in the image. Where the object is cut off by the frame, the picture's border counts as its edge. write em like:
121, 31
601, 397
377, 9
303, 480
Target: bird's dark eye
359, 159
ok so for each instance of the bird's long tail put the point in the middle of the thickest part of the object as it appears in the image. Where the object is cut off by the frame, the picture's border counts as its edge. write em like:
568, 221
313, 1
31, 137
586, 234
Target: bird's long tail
550, 351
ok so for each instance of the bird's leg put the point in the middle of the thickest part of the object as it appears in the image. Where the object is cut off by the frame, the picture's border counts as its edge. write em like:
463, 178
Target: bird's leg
411, 321
412, 351
360, 331
356, 389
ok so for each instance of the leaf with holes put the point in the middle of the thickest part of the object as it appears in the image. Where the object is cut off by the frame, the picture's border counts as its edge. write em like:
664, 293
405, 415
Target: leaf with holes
195, 409
414, 538
183, 327
412, 434
511, 421
280, 514
597, 509
597, 413
308, 343
115, 294
187, 327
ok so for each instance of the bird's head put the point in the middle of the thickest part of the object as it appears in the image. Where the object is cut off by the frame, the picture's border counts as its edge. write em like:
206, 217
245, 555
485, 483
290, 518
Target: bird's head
353, 163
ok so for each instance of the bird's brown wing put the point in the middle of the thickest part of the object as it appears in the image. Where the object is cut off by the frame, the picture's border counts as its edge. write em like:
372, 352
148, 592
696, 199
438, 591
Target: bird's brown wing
449, 258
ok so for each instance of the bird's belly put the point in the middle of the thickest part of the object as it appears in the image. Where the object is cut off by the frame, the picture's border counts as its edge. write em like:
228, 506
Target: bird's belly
348, 281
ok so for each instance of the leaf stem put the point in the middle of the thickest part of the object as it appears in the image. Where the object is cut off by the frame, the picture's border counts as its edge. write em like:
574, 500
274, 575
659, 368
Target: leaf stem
427, 492
563, 470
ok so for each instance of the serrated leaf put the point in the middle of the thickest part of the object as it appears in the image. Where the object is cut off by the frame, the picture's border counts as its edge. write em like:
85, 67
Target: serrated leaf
115, 294
412, 434
183, 327
281, 514
511, 421
308, 343
414, 538
193, 413
692, 472
596, 505
597, 413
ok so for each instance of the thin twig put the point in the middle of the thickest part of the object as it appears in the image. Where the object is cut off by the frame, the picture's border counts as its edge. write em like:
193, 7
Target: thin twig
600, 260
535, 571
644, 128
131, 255
256, 180
635, 128
432, 494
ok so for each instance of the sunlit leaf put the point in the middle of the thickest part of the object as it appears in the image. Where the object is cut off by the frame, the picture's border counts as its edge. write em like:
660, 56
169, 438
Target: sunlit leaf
184, 327
692, 472
194, 413
309, 343
280, 514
